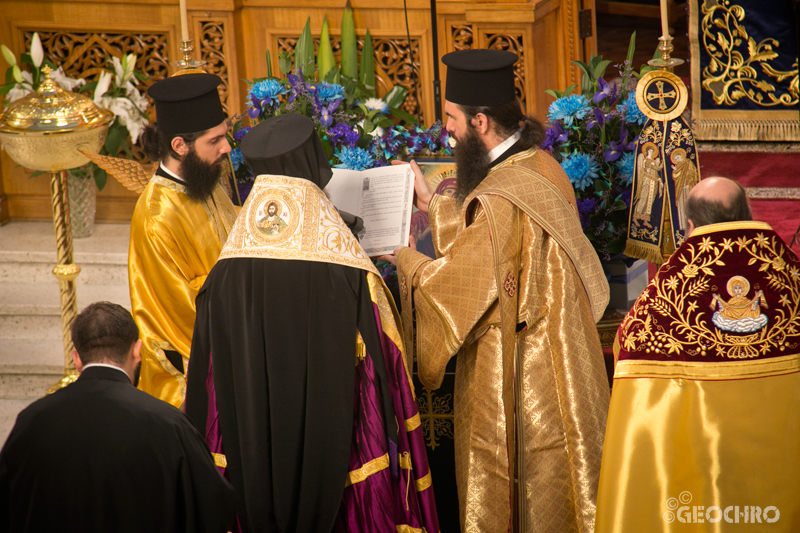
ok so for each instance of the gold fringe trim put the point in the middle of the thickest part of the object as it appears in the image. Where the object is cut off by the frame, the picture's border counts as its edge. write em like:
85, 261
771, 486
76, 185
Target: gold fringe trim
220, 460
648, 252
748, 130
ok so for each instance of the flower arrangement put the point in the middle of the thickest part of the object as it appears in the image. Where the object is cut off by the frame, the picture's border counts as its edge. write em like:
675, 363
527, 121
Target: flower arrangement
593, 135
115, 90
358, 129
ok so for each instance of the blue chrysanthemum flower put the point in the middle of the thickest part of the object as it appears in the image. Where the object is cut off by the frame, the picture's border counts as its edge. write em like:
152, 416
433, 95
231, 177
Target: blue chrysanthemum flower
267, 90
581, 169
569, 108
354, 158
237, 159
328, 92
625, 166
631, 111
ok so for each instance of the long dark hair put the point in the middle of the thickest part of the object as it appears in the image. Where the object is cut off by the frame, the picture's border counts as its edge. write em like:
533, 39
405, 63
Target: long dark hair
508, 119
157, 145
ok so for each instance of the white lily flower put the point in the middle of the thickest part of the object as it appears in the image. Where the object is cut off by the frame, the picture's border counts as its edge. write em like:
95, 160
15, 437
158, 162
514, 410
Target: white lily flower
37, 52
17, 73
8, 55
119, 70
21, 89
129, 64
65, 81
102, 86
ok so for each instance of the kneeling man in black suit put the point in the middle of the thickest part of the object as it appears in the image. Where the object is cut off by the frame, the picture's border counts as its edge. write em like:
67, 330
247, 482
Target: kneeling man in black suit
100, 455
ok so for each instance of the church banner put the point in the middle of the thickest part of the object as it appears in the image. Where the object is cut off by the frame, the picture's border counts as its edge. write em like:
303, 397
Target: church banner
744, 70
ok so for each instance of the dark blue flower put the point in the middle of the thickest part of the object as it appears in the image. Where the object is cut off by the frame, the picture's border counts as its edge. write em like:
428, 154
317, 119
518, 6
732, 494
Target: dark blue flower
630, 110
599, 119
553, 135
625, 166
354, 158
343, 134
237, 159
328, 92
581, 169
267, 91
239, 135
569, 108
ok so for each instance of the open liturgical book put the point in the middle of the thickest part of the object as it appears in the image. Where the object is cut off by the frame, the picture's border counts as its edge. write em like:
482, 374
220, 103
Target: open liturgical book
383, 198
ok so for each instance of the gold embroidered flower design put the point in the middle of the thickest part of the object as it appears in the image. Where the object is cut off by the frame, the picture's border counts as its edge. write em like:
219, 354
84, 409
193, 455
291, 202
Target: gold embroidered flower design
778, 264
510, 285
690, 271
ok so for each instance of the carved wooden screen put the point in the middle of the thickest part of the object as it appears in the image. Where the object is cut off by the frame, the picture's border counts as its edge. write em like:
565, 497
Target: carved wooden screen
393, 65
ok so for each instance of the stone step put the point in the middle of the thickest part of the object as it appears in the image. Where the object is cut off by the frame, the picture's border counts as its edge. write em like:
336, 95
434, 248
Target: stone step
28, 267
29, 299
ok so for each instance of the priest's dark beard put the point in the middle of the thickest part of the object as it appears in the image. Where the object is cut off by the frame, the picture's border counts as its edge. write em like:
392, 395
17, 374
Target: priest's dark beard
472, 163
200, 177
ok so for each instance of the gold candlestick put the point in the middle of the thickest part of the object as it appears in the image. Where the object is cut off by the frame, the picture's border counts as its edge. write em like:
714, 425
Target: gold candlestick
665, 62
43, 131
187, 65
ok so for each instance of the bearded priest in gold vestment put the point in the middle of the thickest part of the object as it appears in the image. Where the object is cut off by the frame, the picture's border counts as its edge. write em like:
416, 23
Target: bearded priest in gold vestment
703, 431
180, 223
514, 295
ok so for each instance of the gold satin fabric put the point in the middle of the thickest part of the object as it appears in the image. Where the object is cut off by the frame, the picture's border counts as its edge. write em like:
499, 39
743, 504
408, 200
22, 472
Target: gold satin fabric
564, 385
731, 443
174, 243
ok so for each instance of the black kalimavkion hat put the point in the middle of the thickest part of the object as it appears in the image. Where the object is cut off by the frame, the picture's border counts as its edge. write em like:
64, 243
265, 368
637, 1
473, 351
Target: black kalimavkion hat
480, 77
187, 104
287, 145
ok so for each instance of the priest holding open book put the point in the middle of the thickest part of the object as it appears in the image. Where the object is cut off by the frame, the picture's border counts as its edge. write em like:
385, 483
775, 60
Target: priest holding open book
514, 294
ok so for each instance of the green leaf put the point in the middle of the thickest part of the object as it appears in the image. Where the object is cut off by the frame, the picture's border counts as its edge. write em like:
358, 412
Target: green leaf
583, 66
620, 205
395, 97
333, 75
403, 115
349, 47
10, 75
37, 173
285, 62
304, 52
569, 90
100, 178
5, 88
140, 76
631, 48
601, 185
25, 58
88, 87
113, 141
366, 74
325, 58
369, 127
600, 68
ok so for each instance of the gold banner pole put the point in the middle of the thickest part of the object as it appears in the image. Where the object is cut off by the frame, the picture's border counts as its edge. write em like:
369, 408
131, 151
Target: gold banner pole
65, 271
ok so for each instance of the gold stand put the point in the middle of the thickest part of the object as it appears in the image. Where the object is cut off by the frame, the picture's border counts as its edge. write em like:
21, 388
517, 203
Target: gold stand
665, 62
65, 271
187, 65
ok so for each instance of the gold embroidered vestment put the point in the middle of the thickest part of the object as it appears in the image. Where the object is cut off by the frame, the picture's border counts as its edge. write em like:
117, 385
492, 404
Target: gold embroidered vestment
518, 286
174, 243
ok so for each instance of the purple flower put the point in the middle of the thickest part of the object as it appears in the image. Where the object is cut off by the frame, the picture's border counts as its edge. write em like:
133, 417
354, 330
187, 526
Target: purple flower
554, 134
343, 134
606, 91
599, 119
586, 208
239, 135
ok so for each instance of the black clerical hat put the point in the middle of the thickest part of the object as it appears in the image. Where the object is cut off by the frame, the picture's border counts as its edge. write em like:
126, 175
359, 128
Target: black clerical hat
480, 77
187, 104
287, 145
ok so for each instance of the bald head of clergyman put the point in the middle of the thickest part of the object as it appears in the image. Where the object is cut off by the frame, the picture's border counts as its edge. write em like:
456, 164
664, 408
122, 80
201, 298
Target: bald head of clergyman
716, 200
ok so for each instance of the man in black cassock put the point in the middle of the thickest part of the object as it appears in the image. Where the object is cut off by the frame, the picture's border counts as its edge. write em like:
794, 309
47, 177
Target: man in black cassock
297, 376
101, 456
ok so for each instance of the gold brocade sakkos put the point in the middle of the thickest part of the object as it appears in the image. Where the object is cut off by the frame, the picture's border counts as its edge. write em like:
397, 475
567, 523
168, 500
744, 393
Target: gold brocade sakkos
518, 286
703, 433
175, 241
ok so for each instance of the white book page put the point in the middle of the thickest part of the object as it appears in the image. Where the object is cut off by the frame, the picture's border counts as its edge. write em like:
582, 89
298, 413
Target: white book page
383, 198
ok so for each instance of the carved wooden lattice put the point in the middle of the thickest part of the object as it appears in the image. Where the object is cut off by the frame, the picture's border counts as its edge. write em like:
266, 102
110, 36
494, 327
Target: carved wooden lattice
393, 65
86, 54
462, 36
212, 50
511, 43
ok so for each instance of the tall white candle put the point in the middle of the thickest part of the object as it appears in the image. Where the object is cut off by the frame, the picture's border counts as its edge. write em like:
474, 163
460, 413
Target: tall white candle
185, 21
664, 19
